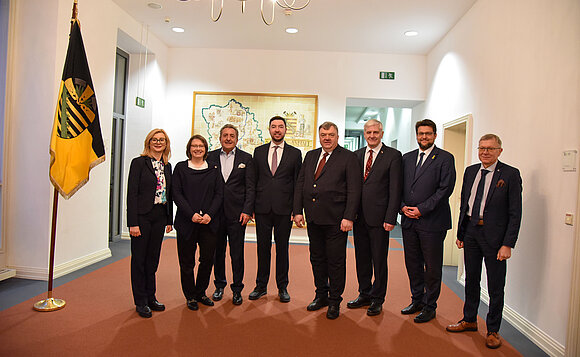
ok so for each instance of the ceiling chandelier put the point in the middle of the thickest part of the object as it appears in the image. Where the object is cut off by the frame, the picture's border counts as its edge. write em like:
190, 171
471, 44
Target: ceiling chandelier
287, 5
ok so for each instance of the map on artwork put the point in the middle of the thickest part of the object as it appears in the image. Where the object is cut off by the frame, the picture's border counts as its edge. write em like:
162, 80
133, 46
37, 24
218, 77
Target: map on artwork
250, 113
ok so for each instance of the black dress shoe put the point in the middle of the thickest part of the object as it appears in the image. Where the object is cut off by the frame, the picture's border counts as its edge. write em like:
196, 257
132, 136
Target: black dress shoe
257, 293
192, 305
360, 301
375, 308
205, 300
413, 308
237, 299
218, 294
317, 304
425, 315
333, 311
144, 311
156, 305
284, 296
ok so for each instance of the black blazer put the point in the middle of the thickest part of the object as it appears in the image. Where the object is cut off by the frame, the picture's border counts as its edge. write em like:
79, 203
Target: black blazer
240, 190
382, 190
276, 193
502, 212
430, 190
195, 191
335, 195
141, 188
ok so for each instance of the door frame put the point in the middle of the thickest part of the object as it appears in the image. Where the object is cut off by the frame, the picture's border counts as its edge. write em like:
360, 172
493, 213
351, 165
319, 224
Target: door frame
466, 120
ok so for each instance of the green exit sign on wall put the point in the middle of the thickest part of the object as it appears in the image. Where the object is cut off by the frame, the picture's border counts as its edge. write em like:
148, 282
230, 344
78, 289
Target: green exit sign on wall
387, 75
140, 102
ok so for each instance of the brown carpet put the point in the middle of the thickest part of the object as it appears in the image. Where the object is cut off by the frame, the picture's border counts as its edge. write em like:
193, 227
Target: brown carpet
99, 319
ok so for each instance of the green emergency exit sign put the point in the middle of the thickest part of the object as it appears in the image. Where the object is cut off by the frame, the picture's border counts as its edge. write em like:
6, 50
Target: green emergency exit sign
140, 102
387, 75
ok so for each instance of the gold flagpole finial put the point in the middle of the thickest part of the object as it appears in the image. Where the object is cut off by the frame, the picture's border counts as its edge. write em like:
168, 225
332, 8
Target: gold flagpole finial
75, 10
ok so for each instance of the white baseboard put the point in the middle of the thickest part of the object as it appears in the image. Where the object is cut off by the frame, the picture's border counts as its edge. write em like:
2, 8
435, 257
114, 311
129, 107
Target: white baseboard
7, 273
528, 329
62, 269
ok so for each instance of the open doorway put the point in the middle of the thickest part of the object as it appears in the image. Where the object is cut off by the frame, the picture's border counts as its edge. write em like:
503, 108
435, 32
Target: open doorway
456, 140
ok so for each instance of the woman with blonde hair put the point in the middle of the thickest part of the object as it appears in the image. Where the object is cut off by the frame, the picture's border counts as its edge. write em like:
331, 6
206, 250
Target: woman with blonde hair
149, 217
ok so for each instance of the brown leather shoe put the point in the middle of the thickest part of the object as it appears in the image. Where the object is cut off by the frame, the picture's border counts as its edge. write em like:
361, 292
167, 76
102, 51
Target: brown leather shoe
493, 340
462, 326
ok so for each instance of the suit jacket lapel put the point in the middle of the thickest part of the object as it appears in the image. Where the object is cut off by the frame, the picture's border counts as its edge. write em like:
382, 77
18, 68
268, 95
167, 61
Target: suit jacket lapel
428, 161
378, 159
494, 179
149, 165
330, 160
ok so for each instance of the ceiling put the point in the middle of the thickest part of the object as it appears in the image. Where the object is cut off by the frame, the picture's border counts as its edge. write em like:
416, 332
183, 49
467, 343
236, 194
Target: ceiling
368, 26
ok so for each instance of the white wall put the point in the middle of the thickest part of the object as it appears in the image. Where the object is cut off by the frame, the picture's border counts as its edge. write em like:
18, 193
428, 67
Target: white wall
332, 76
515, 66
37, 61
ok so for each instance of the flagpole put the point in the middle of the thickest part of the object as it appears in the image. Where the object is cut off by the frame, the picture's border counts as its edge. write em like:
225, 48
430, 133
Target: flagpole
50, 303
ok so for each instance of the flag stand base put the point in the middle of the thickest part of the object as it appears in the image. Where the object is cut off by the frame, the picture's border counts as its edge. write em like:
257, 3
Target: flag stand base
50, 304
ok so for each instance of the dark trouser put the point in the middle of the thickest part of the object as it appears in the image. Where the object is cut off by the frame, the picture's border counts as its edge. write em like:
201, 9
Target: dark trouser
328, 259
145, 251
477, 249
186, 246
424, 263
282, 226
232, 231
371, 246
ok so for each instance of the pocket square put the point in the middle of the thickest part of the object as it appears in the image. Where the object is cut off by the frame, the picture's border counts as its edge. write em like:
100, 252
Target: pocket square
500, 183
242, 166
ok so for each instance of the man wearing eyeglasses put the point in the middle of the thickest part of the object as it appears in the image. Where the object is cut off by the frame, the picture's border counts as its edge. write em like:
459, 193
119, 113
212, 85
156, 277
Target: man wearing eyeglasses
489, 223
428, 181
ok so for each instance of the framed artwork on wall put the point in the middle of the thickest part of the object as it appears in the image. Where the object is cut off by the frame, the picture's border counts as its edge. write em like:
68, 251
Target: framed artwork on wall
251, 112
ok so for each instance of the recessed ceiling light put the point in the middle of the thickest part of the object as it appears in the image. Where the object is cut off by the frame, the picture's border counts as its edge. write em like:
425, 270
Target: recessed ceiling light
291, 30
154, 5
178, 29
411, 33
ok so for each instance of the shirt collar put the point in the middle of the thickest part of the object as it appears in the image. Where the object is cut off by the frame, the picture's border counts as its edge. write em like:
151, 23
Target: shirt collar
375, 150
222, 152
490, 168
428, 151
280, 146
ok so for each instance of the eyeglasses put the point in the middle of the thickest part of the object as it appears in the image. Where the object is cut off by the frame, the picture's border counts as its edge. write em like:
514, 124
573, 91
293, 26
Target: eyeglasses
156, 140
487, 149
197, 146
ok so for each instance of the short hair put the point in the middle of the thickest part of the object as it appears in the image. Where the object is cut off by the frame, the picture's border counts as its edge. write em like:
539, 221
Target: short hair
490, 137
200, 138
426, 122
372, 122
229, 126
277, 117
147, 150
327, 125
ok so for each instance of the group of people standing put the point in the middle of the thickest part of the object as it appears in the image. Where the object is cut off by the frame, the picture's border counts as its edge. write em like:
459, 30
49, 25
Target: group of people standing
332, 192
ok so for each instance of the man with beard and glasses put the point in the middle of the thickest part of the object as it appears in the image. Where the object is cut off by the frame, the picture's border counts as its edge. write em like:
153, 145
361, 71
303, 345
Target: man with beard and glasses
277, 166
428, 181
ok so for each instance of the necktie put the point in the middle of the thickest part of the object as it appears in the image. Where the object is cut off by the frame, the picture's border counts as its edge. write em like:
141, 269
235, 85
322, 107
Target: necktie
320, 166
478, 197
275, 160
369, 164
418, 167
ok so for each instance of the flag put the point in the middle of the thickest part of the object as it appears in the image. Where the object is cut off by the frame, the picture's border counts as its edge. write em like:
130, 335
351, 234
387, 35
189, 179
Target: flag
76, 144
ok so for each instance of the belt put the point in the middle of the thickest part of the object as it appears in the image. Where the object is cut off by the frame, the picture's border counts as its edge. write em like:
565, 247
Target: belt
479, 223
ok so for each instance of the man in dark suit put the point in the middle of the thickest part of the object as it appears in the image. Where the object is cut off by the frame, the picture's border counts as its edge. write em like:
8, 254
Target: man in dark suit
277, 166
489, 223
377, 216
238, 174
328, 189
428, 181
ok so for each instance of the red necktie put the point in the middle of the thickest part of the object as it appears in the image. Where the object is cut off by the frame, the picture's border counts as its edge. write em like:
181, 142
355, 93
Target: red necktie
369, 164
320, 166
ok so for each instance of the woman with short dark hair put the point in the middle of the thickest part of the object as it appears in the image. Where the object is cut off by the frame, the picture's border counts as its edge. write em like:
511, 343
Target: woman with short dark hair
198, 194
